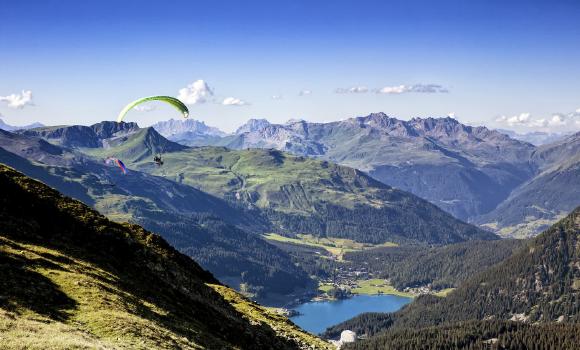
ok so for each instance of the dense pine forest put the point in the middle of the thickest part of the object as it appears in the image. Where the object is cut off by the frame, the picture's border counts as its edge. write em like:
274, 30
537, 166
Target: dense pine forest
476, 335
442, 267
538, 286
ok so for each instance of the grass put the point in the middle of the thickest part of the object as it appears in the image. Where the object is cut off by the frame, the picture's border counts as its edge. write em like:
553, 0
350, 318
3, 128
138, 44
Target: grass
325, 287
70, 278
261, 174
335, 246
444, 292
103, 313
377, 286
281, 324
530, 228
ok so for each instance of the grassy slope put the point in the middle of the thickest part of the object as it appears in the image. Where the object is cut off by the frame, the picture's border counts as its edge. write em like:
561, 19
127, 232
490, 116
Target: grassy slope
335, 246
302, 195
73, 279
180, 213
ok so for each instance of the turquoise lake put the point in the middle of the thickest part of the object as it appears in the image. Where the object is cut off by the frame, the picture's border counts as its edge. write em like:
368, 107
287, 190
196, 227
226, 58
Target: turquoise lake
315, 317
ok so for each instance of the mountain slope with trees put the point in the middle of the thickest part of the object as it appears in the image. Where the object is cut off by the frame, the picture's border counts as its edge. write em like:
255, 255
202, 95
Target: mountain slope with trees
540, 283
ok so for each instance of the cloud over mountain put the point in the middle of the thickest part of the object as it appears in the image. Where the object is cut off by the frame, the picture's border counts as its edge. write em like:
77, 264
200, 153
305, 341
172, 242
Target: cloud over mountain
18, 101
555, 121
195, 93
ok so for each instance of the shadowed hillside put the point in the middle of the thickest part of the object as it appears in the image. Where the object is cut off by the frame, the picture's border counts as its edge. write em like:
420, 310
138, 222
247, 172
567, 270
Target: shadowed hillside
73, 279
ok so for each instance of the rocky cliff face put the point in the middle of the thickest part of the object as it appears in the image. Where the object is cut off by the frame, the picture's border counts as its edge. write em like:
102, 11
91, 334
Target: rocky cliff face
81, 135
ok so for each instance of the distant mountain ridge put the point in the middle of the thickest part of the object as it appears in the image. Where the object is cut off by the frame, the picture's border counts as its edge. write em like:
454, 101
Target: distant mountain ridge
465, 170
188, 132
471, 172
550, 194
300, 195
8, 127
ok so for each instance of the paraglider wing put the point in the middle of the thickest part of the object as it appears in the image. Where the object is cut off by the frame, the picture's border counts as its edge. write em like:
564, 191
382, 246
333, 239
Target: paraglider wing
122, 166
111, 160
167, 99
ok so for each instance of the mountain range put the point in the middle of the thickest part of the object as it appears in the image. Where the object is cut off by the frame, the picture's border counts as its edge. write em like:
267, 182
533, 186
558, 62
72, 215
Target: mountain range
534, 205
7, 127
471, 172
464, 170
188, 132
213, 203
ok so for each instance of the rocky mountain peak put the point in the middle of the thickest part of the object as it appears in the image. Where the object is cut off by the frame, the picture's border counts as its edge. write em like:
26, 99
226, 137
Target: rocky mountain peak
253, 125
174, 127
108, 129
8, 127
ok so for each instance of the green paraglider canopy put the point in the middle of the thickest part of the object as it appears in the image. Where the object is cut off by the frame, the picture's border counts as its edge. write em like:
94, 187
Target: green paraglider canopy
167, 99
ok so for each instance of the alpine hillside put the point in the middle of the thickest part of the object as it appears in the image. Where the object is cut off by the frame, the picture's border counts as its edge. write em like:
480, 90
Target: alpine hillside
215, 233
74, 279
299, 194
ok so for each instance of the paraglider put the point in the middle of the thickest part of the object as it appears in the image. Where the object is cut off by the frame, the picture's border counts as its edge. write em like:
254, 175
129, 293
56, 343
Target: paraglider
157, 159
167, 99
177, 104
118, 162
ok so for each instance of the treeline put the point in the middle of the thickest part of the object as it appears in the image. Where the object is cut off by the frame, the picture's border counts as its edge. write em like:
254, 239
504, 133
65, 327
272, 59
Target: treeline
413, 221
366, 324
442, 267
314, 261
476, 335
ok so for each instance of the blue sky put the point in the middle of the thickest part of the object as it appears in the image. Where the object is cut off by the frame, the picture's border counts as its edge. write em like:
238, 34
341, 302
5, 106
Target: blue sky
511, 64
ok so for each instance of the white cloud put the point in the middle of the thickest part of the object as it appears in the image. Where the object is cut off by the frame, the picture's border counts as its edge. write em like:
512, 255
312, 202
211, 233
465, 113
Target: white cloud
393, 89
352, 90
276, 97
304, 93
558, 121
417, 88
232, 101
451, 115
145, 108
18, 101
521, 119
195, 93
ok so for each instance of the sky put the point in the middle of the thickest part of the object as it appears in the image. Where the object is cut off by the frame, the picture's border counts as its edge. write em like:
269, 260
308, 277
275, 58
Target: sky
505, 64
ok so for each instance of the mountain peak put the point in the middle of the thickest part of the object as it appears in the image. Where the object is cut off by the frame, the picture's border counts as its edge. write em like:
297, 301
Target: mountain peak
8, 127
186, 127
107, 129
253, 125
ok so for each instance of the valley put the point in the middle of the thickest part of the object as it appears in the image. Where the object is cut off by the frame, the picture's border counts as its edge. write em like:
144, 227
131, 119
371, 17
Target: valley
290, 175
